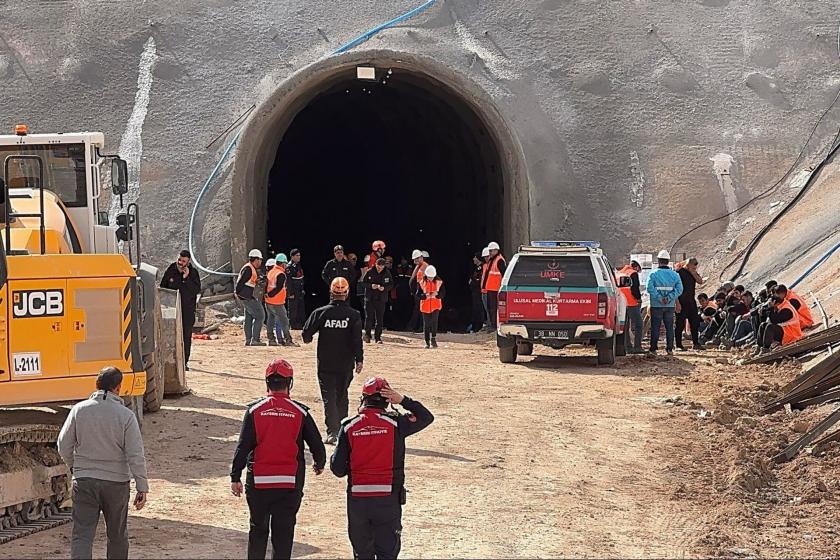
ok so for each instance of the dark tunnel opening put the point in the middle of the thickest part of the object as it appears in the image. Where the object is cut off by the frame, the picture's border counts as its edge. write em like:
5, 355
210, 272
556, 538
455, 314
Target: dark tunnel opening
401, 159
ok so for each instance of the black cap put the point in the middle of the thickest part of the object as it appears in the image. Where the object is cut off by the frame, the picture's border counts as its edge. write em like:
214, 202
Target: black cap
294, 252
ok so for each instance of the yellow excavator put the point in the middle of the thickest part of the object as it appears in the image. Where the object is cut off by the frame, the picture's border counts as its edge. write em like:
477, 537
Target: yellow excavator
71, 302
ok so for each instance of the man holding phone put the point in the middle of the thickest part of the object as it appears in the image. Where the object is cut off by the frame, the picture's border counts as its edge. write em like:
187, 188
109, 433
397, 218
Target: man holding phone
101, 444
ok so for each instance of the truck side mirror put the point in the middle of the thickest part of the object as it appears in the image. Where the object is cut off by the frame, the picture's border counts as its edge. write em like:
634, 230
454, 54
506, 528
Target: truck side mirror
119, 176
625, 282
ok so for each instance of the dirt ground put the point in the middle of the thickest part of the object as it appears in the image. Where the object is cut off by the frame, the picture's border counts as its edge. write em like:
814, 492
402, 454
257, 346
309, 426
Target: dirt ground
551, 457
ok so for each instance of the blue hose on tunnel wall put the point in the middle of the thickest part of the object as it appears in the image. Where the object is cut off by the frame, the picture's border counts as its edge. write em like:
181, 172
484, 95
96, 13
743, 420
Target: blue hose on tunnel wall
815, 265
343, 48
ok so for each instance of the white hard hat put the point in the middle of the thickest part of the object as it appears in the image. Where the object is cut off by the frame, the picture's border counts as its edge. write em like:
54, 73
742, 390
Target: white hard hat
416, 254
425, 254
493, 245
664, 255
255, 254
431, 271
270, 262
485, 252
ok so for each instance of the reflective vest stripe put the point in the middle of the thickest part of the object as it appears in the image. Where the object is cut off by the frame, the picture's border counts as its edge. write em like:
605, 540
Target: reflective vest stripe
370, 488
274, 479
431, 304
494, 277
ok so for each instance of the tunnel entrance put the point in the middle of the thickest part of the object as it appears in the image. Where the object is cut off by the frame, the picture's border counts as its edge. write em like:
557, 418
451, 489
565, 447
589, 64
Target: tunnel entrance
418, 157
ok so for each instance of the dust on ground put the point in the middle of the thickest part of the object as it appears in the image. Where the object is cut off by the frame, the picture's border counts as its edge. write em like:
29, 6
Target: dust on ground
549, 457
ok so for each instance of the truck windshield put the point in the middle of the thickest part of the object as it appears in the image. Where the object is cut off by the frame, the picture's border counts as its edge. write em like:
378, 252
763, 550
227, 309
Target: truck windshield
64, 170
553, 271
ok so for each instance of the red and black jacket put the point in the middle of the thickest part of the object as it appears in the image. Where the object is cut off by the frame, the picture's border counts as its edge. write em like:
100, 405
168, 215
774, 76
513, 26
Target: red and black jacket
271, 443
371, 449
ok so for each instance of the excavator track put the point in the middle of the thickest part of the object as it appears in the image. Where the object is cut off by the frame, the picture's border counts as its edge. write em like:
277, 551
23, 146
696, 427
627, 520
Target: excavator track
34, 481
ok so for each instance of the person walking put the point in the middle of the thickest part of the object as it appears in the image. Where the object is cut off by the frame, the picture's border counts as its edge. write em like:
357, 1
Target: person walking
279, 331
101, 444
271, 440
477, 308
633, 295
491, 283
420, 264
184, 277
664, 286
339, 327
688, 311
339, 266
248, 293
430, 292
296, 294
371, 454
378, 283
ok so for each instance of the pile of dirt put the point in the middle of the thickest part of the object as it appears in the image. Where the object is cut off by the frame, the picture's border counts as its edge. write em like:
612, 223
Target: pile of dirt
752, 497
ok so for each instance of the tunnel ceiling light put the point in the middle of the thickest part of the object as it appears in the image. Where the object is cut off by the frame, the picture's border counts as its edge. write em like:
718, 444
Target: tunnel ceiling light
366, 73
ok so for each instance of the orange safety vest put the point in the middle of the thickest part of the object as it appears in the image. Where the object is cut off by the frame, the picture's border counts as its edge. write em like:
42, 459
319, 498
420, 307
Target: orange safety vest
254, 277
805, 317
431, 303
791, 330
280, 297
494, 277
626, 272
421, 271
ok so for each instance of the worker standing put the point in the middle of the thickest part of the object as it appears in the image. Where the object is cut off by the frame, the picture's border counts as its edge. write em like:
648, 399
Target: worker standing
371, 454
278, 328
477, 307
688, 311
271, 444
664, 286
378, 283
430, 292
296, 294
248, 293
339, 348
102, 446
377, 253
339, 266
633, 295
183, 276
420, 264
491, 283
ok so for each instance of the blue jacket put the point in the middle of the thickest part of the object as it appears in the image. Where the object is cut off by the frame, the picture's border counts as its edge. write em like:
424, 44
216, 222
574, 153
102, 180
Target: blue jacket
664, 283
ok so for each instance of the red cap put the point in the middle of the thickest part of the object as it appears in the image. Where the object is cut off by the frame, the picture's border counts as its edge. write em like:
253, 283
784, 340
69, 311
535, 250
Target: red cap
280, 367
375, 385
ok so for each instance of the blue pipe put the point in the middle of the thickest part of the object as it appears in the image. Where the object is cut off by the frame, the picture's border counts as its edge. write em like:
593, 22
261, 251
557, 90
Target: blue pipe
815, 265
343, 48
368, 34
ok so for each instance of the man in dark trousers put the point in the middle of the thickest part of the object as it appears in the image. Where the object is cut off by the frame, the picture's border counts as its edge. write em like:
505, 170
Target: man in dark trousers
183, 276
271, 444
296, 290
339, 348
339, 266
371, 453
378, 283
688, 305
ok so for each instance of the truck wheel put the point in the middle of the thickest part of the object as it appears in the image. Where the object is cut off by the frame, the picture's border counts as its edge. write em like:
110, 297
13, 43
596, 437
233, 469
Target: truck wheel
524, 348
621, 342
507, 354
153, 363
606, 351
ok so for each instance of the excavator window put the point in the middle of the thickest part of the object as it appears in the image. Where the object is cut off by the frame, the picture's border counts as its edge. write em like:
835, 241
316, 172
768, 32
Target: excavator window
64, 170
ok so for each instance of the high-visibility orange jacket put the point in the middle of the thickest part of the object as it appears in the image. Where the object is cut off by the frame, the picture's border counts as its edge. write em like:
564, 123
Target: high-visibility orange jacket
804, 312
431, 303
280, 297
627, 272
791, 329
493, 272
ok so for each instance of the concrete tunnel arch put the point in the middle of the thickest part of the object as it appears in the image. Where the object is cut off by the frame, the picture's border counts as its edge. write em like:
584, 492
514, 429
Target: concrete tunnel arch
266, 127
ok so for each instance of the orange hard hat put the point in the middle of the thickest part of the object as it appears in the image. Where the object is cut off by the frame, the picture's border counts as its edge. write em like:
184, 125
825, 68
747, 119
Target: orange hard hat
339, 286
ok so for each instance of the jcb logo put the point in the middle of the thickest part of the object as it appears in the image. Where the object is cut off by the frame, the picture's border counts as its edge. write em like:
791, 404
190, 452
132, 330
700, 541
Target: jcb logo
38, 303
336, 323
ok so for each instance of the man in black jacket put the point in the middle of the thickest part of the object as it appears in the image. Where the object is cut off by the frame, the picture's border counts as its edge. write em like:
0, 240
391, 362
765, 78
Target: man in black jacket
183, 276
338, 267
296, 292
271, 444
371, 454
339, 348
378, 282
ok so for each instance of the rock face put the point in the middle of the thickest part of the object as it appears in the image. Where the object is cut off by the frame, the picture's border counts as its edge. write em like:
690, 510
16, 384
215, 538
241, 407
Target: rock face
635, 118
